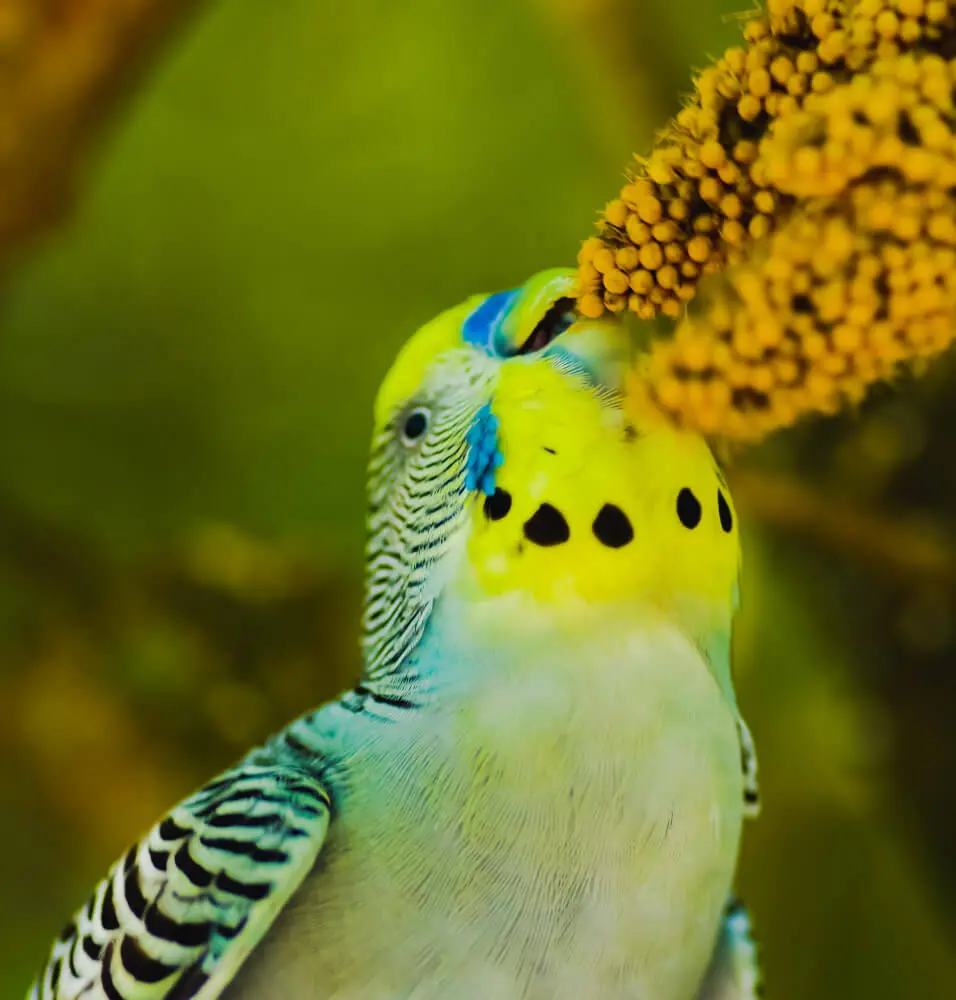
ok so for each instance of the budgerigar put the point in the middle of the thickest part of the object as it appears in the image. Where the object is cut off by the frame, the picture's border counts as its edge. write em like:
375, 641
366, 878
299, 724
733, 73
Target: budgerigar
537, 789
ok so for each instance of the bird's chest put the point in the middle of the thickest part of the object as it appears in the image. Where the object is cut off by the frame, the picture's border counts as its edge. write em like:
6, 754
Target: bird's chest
554, 836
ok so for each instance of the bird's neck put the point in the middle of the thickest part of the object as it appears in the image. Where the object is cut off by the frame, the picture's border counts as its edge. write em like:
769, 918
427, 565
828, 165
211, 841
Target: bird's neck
611, 703
607, 682
465, 640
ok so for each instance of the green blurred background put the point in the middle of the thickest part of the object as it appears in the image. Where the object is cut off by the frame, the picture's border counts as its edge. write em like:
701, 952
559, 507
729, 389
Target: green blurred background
186, 376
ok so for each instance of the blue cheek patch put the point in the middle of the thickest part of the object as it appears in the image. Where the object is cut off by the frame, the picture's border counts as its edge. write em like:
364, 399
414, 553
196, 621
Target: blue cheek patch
484, 458
482, 328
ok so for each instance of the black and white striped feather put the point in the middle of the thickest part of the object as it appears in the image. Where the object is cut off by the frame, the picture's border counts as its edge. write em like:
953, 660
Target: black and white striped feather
176, 917
417, 503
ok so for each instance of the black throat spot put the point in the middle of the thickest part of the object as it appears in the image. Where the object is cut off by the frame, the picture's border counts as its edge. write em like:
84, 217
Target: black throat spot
497, 505
612, 527
547, 526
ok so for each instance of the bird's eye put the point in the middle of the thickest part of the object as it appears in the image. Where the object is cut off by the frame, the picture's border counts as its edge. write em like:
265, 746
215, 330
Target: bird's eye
416, 423
554, 322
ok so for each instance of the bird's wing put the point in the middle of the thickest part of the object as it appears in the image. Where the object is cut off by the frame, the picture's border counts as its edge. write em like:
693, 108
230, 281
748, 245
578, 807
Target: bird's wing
180, 913
748, 763
734, 973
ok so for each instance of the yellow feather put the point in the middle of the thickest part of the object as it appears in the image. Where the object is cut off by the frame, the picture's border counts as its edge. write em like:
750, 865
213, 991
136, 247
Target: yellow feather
570, 449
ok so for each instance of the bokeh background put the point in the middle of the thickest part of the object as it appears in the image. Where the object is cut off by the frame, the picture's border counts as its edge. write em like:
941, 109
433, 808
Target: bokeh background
186, 371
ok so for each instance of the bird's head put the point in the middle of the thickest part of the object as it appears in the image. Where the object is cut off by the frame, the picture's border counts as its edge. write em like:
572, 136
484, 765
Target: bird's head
505, 467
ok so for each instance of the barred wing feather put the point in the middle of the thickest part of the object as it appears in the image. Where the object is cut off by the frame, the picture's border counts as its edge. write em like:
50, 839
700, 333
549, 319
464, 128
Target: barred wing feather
178, 915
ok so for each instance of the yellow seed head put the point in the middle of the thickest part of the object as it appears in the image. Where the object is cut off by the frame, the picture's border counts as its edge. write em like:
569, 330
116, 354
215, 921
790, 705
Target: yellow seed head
812, 170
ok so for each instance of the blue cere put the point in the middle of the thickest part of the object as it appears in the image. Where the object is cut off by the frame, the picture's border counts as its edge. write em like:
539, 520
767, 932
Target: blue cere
484, 458
482, 327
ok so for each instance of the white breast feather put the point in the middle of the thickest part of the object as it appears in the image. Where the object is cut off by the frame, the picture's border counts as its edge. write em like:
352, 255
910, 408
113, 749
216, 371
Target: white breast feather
568, 828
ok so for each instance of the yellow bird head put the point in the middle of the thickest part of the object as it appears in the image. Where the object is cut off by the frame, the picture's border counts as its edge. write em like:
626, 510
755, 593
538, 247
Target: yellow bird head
503, 463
